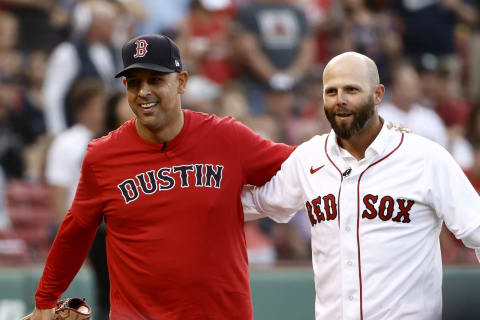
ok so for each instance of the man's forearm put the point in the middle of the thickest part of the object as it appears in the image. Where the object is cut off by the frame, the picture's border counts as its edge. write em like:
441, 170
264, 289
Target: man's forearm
255, 59
65, 258
304, 59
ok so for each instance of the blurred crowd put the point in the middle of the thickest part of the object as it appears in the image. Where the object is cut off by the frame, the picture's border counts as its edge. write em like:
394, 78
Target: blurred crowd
260, 61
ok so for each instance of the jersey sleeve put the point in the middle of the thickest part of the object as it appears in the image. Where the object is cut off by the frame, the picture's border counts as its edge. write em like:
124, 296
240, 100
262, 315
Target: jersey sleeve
454, 199
260, 158
73, 240
87, 206
280, 198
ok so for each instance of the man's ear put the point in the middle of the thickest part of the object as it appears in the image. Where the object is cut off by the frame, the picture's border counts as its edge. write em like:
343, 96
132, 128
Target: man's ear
124, 81
378, 93
182, 81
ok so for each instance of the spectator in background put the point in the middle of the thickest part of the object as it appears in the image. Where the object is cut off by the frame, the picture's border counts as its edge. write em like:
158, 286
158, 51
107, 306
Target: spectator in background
131, 13
201, 94
473, 173
10, 56
64, 161
234, 103
281, 105
67, 149
11, 146
203, 36
428, 27
118, 111
31, 122
449, 103
472, 131
273, 44
472, 134
312, 119
28, 118
454, 111
10, 91
325, 19
40, 26
474, 59
404, 108
162, 16
371, 33
89, 54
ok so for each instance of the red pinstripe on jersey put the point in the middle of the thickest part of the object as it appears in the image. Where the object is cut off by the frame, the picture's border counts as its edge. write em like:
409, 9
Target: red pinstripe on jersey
358, 220
341, 178
358, 208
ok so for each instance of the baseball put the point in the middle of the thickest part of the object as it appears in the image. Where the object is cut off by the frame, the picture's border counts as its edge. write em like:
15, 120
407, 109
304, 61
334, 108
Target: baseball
83, 309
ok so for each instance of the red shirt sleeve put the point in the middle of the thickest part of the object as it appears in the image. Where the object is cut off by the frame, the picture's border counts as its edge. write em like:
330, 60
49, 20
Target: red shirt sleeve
73, 240
260, 158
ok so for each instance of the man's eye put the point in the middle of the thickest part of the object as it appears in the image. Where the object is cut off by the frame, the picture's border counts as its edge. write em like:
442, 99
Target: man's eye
132, 83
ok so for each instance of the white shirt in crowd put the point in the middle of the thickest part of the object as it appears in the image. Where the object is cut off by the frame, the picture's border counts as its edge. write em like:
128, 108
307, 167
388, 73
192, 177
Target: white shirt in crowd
421, 120
427, 123
64, 158
375, 223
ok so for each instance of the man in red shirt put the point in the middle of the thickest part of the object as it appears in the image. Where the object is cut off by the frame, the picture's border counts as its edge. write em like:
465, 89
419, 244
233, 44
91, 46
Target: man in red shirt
168, 186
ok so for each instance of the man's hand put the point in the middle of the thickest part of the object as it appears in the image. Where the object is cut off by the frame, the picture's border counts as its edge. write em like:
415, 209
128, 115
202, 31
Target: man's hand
397, 127
41, 314
281, 82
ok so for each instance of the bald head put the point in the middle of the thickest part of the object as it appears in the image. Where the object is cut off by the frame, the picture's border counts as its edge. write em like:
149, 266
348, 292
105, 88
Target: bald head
357, 63
351, 95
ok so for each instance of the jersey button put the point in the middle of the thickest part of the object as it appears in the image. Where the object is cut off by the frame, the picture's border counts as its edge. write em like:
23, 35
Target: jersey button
347, 229
350, 298
350, 263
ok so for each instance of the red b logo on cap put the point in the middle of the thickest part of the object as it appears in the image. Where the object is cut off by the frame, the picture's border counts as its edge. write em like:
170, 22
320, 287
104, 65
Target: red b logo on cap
141, 49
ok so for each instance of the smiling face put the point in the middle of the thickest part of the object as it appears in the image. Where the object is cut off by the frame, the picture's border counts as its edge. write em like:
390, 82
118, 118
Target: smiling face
350, 95
154, 98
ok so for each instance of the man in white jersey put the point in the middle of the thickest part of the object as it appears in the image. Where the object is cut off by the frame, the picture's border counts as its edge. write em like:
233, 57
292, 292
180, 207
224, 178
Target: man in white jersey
376, 199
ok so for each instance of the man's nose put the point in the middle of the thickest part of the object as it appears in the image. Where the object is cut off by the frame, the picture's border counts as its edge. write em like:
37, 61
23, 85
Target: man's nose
144, 89
341, 98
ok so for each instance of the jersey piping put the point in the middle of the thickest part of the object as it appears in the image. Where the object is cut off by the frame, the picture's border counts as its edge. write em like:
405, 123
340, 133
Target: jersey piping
358, 208
341, 179
358, 221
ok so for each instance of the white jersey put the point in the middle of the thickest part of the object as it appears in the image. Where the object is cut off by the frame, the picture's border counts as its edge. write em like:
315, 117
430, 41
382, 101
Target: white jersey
375, 223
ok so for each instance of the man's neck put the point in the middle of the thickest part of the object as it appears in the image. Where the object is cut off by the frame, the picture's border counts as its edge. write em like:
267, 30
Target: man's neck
358, 144
163, 135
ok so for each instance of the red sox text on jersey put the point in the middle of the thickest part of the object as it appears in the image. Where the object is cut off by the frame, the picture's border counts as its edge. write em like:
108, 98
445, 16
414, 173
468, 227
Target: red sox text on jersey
325, 208
205, 175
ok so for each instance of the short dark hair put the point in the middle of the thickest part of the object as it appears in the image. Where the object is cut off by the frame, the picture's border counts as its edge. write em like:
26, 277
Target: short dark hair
83, 92
111, 120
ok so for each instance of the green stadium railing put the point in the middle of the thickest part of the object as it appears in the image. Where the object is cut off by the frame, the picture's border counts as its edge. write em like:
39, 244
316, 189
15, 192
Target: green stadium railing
278, 293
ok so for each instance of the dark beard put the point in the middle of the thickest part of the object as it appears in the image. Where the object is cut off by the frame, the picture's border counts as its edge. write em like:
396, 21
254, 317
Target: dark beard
360, 117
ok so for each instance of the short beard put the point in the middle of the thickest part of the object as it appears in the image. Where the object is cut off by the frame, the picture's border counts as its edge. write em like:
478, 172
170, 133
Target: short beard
360, 117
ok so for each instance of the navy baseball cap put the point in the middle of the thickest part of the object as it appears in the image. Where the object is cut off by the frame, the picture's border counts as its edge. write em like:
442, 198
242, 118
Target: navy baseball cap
151, 51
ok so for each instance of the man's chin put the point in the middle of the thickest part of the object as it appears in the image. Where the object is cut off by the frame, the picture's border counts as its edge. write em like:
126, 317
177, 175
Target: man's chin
343, 131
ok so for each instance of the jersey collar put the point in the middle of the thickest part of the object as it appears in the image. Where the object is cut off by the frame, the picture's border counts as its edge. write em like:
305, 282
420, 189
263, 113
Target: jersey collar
376, 148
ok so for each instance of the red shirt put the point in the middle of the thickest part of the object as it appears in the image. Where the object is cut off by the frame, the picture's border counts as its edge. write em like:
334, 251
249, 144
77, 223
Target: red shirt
215, 64
175, 240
